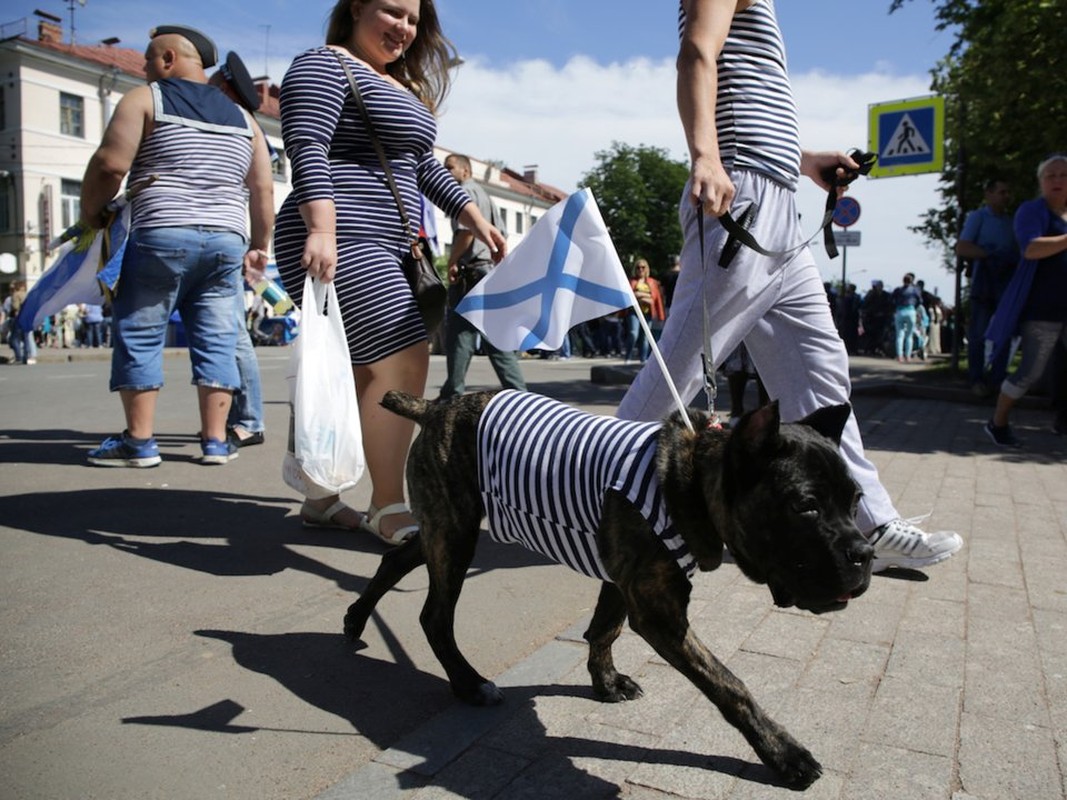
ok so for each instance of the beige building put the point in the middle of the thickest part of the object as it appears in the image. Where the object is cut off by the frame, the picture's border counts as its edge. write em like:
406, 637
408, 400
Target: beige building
55, 101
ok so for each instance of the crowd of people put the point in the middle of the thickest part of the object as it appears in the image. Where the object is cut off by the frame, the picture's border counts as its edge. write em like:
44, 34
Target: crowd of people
75, 325
907, 323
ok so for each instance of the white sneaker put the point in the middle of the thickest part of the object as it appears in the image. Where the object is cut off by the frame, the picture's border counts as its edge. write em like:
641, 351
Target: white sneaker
899, 543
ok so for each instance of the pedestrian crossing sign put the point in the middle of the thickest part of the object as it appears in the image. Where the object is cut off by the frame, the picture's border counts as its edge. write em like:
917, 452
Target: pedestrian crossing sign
908, 136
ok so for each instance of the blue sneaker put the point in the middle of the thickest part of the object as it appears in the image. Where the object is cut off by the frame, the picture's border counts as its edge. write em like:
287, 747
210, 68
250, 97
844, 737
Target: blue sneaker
215, 452
120, 451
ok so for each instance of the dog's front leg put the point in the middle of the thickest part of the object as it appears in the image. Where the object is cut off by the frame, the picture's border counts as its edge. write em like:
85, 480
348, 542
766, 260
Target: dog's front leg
604, 629
657, 602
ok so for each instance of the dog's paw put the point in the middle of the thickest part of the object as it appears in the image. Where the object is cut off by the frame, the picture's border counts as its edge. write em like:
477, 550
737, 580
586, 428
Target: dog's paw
484, 694
355, 622
796, 766
618, 689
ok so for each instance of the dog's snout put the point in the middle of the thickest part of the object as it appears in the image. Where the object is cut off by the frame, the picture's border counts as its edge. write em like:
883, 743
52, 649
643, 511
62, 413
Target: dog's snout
861, 554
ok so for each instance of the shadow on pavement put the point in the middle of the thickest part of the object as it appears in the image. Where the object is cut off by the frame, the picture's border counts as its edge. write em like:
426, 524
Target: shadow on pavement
249, 536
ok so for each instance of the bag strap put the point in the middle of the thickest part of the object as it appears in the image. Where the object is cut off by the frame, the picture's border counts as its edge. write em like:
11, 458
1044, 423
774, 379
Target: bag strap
362, 106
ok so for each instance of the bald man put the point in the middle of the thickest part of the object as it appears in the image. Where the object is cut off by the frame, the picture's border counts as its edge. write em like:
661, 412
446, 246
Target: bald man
188, 237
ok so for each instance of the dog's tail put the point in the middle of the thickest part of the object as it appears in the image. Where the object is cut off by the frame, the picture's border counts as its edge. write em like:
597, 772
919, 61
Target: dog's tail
406, 405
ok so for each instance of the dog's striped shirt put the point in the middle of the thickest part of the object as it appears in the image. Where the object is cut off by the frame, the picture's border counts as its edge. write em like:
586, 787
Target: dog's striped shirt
543, 471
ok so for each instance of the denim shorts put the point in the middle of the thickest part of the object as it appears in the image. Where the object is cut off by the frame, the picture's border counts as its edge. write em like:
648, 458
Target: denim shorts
194, 270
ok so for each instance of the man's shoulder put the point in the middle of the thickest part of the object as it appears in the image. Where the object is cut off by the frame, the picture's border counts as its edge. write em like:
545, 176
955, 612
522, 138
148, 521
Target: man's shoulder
476, 191
1034, 207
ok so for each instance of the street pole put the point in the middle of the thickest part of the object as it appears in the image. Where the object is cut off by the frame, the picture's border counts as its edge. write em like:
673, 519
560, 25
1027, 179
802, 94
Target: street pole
961, 169
844, 267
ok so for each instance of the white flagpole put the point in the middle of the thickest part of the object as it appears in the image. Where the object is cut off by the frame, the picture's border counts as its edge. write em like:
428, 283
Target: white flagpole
662, 364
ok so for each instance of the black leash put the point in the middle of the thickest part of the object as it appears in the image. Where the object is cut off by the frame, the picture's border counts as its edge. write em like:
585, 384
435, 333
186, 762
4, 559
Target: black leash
738, 228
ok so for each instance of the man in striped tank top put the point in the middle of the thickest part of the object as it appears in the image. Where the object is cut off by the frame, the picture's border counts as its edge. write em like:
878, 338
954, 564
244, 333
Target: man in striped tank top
737, 109
207, 169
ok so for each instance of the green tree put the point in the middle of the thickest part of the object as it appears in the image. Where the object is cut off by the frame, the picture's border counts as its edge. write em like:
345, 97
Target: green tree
1005, 93
637, 189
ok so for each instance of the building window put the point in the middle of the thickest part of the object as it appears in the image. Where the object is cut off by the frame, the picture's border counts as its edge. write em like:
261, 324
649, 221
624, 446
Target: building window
518, 222
5, 205
71, 115
503, 226
70, 198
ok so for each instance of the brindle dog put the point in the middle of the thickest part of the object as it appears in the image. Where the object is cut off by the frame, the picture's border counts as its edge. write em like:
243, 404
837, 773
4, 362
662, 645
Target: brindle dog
778, 496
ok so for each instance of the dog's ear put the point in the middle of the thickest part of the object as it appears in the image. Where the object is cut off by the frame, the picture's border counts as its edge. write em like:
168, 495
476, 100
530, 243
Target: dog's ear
829, 421
758, 430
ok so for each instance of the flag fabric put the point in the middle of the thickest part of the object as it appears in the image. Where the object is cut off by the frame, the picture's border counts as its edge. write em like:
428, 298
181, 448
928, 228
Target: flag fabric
564, 272
87, 265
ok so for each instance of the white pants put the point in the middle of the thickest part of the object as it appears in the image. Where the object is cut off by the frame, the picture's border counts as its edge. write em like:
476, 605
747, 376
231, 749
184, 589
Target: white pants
779, 308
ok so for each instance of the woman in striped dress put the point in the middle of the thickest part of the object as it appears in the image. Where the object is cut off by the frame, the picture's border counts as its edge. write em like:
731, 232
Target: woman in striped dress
341, 222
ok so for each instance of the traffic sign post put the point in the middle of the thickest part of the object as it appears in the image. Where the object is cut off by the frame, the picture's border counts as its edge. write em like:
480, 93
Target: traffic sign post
846, 214
908, 136
847, 211
847, 238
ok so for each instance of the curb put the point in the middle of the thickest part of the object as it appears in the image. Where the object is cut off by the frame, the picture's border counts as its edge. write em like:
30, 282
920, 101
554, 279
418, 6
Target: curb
880, 385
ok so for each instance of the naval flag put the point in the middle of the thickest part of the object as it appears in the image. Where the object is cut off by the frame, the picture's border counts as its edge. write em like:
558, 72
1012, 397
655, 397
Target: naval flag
564, 272
87, 265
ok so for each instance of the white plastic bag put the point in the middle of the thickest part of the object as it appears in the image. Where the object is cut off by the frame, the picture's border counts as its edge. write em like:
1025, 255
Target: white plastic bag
326, 443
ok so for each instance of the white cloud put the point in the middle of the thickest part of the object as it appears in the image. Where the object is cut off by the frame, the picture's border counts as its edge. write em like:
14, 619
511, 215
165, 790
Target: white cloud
533, 113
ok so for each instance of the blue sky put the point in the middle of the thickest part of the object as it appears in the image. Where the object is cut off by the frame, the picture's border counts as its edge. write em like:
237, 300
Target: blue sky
839, 36
552, 82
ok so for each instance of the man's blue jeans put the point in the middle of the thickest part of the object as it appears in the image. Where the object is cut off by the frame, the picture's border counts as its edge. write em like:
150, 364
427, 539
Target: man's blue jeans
981, 314
193, 270
246, 410
460, 341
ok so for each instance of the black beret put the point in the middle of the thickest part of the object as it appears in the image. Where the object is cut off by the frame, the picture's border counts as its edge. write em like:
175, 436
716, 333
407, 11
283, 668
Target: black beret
235, 71
205, 48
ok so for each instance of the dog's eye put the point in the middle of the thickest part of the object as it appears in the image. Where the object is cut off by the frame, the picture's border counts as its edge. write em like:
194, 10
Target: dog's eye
808, 512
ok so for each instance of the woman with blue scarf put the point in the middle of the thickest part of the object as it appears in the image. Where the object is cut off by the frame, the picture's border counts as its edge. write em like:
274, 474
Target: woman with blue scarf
1035, 302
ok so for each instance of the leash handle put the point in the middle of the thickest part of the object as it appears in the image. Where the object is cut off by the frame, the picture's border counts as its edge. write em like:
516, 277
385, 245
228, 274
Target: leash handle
707, 357
738, 230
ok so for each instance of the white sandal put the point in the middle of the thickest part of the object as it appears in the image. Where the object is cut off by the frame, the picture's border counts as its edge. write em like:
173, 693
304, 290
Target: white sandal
313, 518
372, 524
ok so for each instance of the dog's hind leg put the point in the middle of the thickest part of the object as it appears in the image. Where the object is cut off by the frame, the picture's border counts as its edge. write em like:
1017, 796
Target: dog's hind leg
604, 629
447, 560
657, 600
394, 565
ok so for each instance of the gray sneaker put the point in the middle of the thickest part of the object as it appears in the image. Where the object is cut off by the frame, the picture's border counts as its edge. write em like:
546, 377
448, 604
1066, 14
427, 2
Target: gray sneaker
899, 543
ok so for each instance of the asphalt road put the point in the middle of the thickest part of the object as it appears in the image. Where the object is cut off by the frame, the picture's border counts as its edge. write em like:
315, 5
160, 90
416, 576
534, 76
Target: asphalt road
174, 632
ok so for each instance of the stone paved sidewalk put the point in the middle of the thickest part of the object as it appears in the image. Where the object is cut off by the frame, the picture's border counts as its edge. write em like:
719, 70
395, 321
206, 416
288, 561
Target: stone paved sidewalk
950, 683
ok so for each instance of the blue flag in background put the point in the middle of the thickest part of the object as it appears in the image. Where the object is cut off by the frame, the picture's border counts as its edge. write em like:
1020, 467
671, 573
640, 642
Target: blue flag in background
88, 263
564, 272
86, 270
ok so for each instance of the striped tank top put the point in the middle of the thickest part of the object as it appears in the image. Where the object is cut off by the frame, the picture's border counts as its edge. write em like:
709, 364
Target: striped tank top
755, 114
201, 150
543, 471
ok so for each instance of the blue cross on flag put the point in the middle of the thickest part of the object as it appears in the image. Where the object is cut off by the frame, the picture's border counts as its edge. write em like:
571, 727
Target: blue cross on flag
564, 272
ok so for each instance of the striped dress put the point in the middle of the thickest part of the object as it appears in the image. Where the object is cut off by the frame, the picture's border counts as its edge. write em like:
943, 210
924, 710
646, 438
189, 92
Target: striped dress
543, 471
332, 157
200, 149
755, 114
